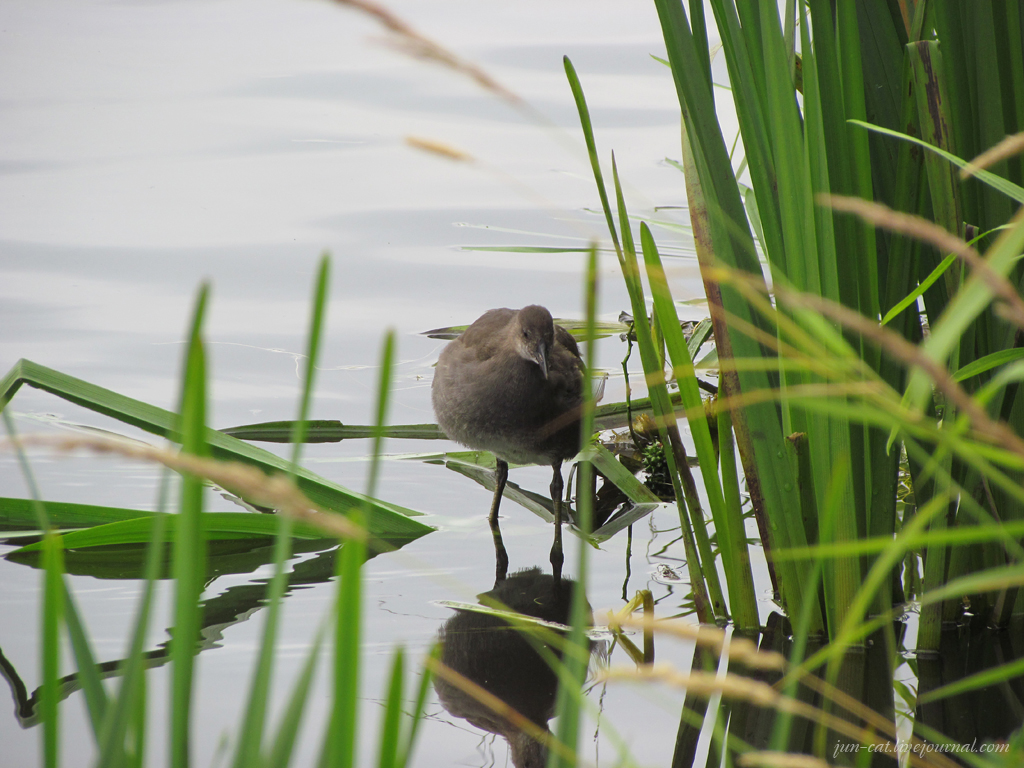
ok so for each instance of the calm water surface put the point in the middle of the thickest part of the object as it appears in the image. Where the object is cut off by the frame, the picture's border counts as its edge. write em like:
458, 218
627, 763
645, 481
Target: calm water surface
145, 148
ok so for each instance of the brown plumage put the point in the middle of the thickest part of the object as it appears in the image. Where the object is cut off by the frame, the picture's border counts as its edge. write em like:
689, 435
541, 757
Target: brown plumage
512, 384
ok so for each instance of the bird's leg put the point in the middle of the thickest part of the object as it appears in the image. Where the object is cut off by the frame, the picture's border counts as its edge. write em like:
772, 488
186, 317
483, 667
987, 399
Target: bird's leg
556, 498
500, 555
500, 478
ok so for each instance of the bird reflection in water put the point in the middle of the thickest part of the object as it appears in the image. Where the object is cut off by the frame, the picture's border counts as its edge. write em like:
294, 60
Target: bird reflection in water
488, 651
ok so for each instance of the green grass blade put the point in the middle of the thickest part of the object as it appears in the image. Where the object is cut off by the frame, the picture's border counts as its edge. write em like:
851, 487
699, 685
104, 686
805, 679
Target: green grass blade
802, 628
385, 519
576, 328
137, 728
854, 628
988, 362
1008, 188
340, 747
975, 296
724, 242
814, 252
389, 733
934, 121
34, 511
617, 415
316, 326
732, 539
190, 545
284, 740
383, 399
936, 560
700, 335
983, 114
746, 73
521, 249
588, 135
329, 431
341, 737
861, 173
745, 614
122, 714
837, 158
924, 285
52, 613
88, 674
218, 526
699, 29
577, 651
707, 590
419, 708
35, 505
52, 616
997, 675
20, 515
624, 480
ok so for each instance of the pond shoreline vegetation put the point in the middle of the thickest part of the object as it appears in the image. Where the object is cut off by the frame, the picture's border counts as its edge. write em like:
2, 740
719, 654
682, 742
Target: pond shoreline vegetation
868, 328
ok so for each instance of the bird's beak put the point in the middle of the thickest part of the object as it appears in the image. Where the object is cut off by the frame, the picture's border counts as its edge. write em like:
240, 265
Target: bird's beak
542, 358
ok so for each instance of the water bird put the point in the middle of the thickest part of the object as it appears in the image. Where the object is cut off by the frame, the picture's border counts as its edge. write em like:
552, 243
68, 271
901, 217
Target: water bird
512, 384
504, 661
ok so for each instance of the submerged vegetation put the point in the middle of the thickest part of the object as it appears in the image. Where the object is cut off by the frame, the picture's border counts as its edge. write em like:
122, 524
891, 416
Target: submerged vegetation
867, 323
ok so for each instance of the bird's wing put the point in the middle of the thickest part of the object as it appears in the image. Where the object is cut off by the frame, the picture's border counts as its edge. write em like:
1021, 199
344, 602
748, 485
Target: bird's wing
483, 338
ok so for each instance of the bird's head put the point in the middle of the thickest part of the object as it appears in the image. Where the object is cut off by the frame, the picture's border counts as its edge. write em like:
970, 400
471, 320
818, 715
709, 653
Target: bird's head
535, 335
